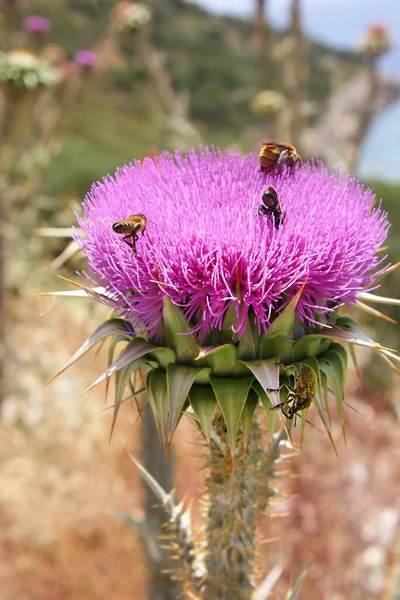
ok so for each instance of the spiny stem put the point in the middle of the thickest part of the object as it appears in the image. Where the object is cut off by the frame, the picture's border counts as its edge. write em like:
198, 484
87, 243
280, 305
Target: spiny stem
236, 501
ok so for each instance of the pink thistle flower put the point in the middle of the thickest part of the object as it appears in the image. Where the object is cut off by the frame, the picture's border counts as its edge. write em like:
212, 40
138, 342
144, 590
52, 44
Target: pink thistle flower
37, 25
86, 59
207, 248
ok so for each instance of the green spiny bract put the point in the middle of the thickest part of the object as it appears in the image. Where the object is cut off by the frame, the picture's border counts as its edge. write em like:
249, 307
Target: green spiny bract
234, 376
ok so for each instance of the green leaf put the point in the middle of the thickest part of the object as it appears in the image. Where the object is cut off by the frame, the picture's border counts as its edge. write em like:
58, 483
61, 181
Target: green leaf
133, 351
267, 373
222, 360
272, 415
229, 319
304, 347
325, 394
247, 414
122, 378
331, 364
110, 327
351, 327
249, 345
285, 321
163, 356
117, 339
203, 376
353, 355
176, 331
319, 400
277, 345
179, 382
347, 330
342, 353
204, 403
324, 345
157, 392
231, 396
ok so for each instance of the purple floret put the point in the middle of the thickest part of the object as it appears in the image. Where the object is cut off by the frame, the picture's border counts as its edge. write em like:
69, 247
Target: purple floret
86, 59
206, 247
37, 24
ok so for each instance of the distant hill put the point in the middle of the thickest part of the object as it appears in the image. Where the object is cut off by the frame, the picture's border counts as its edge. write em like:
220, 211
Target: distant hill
210, 58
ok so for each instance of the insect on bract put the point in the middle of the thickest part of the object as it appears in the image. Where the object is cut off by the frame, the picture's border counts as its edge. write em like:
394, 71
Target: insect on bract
270, 206
302, 394
131, 226
273, 155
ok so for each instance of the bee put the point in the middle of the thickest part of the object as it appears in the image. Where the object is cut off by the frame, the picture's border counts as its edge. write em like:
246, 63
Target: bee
301, 395
271, 206
273, 155
131, 226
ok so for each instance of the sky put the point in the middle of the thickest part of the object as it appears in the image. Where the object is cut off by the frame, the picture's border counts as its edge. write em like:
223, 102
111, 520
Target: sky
339, 24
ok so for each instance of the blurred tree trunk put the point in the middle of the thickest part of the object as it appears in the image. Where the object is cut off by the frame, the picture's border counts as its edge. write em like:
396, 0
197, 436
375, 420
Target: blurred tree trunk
339, 133
263, 43
160, 585
295, 76
366, 115
2, 302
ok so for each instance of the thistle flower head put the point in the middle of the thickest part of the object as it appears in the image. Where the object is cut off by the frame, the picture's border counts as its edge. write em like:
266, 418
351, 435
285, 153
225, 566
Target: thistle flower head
24, 70
376, 41
37, 25
86, 59
129, 17
207, 249
268, 103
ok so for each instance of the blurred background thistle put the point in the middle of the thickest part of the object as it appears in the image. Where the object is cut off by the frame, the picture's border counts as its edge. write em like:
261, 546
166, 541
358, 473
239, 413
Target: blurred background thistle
84, 92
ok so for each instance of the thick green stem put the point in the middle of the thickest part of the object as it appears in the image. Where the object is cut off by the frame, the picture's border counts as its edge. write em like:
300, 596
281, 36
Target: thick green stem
237, 495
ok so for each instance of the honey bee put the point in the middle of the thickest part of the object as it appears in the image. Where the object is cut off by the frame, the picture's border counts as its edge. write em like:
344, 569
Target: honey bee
273, 155
131, 226
301, 395
271, 206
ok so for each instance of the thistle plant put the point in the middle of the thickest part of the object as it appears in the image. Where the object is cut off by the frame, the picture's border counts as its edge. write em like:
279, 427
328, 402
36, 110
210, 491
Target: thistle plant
37, 87
376, 41
86, 59
129, 17
37, 25
21, 70
231, 320
268, 103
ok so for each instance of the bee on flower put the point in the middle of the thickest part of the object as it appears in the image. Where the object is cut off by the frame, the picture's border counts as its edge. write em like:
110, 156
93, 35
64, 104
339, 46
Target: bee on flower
273, 155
